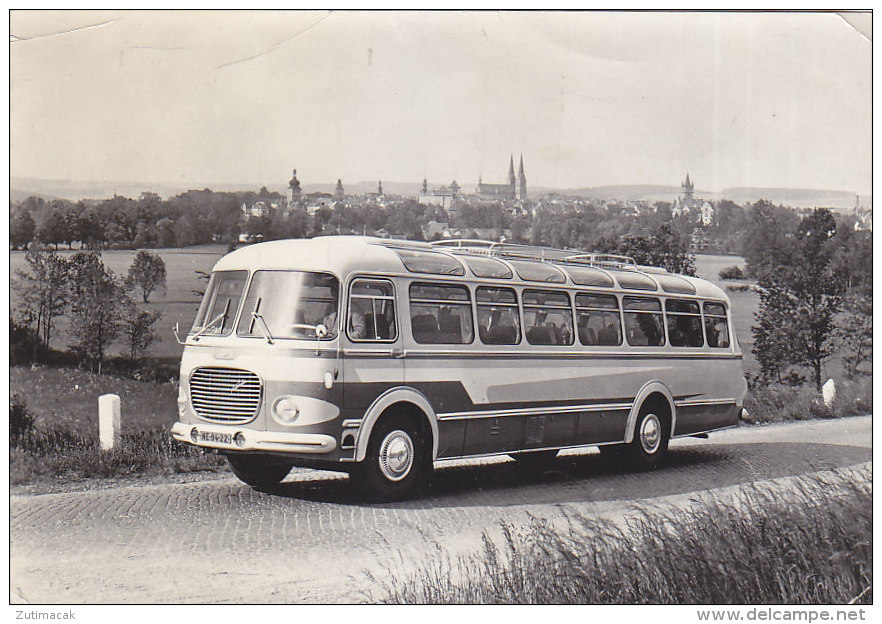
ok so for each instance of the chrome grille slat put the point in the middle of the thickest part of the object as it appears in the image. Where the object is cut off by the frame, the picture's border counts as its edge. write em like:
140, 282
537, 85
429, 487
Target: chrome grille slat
225, 395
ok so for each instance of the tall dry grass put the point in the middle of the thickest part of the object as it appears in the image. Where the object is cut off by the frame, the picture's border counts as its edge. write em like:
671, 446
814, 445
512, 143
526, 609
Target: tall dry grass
810, 544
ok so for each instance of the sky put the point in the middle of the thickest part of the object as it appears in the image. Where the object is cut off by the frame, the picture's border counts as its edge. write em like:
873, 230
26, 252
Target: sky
588, 98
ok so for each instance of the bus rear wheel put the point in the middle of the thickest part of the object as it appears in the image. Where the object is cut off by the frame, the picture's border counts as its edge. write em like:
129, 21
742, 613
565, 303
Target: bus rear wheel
396, 462
651, 436
259, 472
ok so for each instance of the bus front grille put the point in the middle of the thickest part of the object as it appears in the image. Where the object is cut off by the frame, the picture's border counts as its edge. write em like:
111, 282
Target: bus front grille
225, 395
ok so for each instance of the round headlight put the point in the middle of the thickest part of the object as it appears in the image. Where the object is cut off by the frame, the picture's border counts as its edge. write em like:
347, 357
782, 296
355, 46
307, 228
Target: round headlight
285, 410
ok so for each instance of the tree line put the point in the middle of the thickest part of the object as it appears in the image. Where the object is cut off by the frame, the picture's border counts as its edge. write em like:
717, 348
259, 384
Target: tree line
101, 306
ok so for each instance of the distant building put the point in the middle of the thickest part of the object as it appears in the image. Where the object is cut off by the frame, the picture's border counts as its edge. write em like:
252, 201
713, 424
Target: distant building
516, 188
686, 204
338, 191
257, 209
294, 192
442, 196
863, 216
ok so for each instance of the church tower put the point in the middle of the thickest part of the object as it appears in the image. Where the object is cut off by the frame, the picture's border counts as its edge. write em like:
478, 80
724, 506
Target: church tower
294, 192
380, 188
521, 186
425, 189
338, 192
688, 191
511, 176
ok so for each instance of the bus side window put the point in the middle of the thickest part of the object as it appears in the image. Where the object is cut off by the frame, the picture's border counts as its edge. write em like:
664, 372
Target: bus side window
441, 313
684, 323
548, 318
599, 323
498, 318
644, 323
716, 325
371, 314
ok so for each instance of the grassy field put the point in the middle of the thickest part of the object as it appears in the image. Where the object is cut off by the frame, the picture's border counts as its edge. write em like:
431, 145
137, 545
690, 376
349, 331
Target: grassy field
178, 304
806, 543
68, 398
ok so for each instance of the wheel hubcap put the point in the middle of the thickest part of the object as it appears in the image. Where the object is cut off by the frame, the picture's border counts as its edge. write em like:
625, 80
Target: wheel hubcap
650, 433
396, 455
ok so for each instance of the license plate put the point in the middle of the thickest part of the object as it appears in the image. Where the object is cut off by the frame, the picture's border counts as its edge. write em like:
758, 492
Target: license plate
211, 436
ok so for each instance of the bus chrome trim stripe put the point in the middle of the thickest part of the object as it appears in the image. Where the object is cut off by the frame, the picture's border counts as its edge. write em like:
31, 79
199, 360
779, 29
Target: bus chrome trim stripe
536, 355
536, 411
701, 402
695, 433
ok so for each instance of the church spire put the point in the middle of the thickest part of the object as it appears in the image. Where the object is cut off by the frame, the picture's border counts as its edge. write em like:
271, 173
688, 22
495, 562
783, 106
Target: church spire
521, 167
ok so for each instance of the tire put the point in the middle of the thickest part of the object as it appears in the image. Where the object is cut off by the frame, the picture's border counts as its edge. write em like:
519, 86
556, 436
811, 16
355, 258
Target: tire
536, 460
257, 471
396, 463
651, 436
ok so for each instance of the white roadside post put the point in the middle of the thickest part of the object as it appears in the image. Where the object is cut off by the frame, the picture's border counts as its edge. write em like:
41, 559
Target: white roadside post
828, 391
108, 421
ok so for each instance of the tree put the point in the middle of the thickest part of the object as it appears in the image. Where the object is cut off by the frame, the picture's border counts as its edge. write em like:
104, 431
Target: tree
43, 290
96, 305
801, 296
138, 328
146, 274
666, 248
855, 332
53, 229
21, 228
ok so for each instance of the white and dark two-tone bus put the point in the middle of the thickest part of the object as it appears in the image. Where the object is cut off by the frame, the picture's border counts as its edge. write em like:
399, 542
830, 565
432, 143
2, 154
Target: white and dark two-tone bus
379, 357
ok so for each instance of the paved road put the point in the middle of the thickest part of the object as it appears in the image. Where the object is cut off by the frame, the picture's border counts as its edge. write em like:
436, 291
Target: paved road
313, 541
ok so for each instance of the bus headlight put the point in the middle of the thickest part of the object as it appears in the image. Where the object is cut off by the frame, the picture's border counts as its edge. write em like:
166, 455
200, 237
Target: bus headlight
285, 410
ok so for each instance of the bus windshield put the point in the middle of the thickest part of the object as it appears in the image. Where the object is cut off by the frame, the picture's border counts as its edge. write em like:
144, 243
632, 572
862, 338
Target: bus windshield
290, 304
220, 303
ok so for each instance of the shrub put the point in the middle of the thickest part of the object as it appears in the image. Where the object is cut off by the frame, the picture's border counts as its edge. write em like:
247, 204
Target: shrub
732, 273
21, 422
809, 542
740, 287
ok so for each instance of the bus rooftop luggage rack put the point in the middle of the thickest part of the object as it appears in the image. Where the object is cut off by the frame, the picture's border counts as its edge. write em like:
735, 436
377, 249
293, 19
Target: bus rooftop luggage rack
530, 252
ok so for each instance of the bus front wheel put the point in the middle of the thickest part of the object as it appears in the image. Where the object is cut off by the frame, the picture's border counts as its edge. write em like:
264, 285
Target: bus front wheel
259, 472
396, 461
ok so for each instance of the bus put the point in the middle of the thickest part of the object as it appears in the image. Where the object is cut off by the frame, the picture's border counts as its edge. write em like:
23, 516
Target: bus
381, 357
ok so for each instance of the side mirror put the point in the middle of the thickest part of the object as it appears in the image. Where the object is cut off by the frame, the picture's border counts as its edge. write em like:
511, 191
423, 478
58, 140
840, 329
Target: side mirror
175, 331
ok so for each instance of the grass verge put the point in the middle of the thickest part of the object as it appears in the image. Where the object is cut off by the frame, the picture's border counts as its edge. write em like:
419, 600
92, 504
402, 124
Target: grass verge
63, 456
768, 403
811, 544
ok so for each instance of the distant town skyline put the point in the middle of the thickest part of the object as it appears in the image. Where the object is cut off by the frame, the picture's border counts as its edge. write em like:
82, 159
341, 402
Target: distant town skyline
589, 98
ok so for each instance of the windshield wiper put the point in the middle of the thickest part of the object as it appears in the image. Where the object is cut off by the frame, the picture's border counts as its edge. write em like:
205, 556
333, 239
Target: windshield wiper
220, 317
264, 328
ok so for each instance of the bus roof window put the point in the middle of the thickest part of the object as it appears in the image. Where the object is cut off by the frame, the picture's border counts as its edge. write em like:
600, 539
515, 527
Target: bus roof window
538, 272
488, 267
502, 296
674, 284
714, 309
682, 306
586, 276
430, 262
596, 301
438, 292
641, 304
547, 298
634, 281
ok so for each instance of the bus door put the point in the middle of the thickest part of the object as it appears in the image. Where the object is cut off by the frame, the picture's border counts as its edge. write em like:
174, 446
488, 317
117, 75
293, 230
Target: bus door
373, 360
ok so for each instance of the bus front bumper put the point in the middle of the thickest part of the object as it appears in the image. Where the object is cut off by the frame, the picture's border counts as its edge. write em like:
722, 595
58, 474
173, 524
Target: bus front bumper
229, 438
